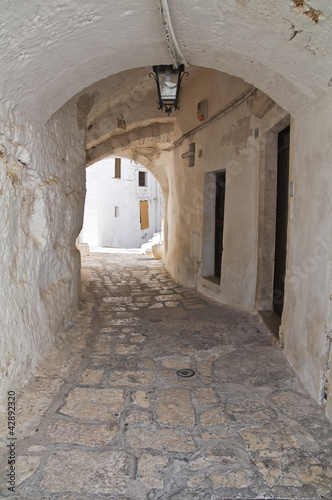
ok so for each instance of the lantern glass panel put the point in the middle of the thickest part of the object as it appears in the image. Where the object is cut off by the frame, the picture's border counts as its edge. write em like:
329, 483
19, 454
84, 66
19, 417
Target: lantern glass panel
168, 80
168, 86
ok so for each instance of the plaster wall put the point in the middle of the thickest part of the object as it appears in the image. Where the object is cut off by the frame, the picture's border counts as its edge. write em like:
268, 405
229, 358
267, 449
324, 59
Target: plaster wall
305, 320
227, 144
125, 102
244, 144
42, 179
102, 227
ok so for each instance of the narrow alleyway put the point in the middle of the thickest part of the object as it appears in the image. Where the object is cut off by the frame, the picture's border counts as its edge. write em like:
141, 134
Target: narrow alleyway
107, 415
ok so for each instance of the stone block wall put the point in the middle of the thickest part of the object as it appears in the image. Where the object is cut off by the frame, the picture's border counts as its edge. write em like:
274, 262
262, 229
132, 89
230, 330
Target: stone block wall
42, 179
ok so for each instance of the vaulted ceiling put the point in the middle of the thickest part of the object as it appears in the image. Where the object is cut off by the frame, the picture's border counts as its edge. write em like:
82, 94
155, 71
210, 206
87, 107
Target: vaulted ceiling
50, 51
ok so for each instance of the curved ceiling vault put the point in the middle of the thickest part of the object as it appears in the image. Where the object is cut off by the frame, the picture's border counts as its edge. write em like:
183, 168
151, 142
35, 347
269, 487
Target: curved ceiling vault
50, 51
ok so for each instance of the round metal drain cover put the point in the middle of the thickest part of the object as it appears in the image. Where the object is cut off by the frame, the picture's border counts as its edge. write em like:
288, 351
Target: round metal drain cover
185, 373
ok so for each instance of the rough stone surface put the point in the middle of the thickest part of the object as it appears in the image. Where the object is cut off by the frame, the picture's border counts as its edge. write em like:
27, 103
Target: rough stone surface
176, 362
131, 378
238, 479
206, 395
148, 470
103, 473
126, 349
91, 377
27, 465
167, 439
215, 416
41, 204
139, 417
89, 435
94, 404
174, 408
141, 398
127, 427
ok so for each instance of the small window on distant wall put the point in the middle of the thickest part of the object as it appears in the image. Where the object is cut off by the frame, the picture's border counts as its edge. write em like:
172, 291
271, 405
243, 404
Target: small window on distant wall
142, 179
117, 169
116, 211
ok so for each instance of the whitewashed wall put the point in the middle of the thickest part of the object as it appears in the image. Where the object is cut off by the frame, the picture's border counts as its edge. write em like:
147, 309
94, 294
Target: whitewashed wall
227, 144
41, 205
307, 314
104, 192
238, 144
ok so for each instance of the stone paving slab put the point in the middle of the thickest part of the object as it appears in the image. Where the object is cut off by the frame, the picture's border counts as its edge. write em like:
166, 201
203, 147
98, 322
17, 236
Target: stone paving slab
108, 417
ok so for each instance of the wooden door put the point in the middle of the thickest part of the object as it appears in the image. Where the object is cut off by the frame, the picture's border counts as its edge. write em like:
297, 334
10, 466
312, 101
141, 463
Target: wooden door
144, 214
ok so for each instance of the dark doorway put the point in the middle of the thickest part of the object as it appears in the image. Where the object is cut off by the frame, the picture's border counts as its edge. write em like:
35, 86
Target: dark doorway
281, 221
219, 224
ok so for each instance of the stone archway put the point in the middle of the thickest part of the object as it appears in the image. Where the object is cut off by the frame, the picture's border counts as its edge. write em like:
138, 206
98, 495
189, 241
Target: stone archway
281, 48
289, 59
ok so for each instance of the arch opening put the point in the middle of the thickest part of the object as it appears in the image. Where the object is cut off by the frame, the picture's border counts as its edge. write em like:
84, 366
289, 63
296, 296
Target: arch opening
290, 61
242, 141
124, 206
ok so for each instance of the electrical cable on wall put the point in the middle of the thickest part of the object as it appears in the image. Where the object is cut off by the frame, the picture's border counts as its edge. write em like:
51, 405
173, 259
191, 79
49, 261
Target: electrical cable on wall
150, 152
173, 46
222, 112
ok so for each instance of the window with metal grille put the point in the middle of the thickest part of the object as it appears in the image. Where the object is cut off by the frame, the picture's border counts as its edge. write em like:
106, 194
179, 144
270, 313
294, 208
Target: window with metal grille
117, 168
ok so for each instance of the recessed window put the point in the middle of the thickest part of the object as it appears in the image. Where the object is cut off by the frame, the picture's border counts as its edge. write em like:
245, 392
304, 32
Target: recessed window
117, 168
116, 211
142, 179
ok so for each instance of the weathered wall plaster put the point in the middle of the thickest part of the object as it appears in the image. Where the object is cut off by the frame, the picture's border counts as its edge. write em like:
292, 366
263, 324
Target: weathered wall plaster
305, 319
227, 144
41, 204
250, 165
149, 136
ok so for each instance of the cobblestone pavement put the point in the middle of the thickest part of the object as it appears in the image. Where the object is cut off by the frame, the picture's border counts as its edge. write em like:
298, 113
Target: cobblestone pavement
107, 415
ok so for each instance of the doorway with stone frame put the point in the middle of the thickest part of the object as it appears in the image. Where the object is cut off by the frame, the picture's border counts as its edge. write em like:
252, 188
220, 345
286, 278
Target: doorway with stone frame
273, 210
213, 225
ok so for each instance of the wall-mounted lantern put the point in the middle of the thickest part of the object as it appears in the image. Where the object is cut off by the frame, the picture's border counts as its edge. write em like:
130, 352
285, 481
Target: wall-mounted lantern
168, 80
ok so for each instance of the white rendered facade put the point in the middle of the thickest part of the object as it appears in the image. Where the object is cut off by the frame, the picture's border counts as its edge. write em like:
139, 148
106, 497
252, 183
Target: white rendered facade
112, 207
